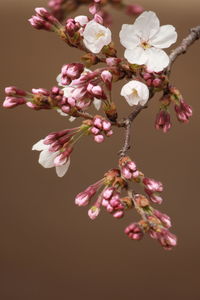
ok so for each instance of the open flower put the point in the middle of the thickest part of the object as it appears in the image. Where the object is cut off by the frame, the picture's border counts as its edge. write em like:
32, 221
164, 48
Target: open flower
96, 36
135, 92
144, 40
49, 159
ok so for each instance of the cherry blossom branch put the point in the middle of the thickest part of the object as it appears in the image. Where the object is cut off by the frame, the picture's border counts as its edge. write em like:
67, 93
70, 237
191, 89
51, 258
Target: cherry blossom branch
185, 44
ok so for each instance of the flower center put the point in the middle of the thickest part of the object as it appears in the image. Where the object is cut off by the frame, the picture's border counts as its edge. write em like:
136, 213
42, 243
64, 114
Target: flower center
100, 34
134, 93
145, 45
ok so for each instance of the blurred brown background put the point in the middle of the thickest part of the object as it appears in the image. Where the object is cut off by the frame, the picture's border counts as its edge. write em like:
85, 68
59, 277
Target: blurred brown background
49, 247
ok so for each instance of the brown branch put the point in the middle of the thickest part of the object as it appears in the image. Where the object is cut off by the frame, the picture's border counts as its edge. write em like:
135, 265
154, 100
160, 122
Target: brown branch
185, 44
127, 124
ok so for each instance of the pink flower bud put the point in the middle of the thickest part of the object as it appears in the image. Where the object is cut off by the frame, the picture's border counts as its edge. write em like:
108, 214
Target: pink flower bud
163, 121
61, 159
66, 109
136, 174
156, 82
94, 130
40, 91
71, 27
118, 214
165, 219
98, 19
79, 93
106, 125
134, 231
132, 166
108, 192
93, 212
42, 12
107, 78
39, 23
71, 101
14, 91
112, 61
147, 76
134, 9
109, 208
183, 111
155, 198
11, 102
99, 138
98, 122
152, 185
105, 203
32, 106
167, 240
109, 133
126, 173
97, 91
82, 199
93, 9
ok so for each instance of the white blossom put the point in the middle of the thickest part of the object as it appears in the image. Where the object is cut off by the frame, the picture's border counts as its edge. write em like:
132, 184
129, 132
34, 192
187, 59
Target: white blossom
144, 40
135, 92
47, 158
96, 36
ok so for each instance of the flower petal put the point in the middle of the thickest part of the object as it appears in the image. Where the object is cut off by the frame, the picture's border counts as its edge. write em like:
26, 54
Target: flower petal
96, 36
68, 91
82, 20
58, 79
39, 146
91, 29
72, 119
128, 36
136, 55
62, 113
61, 170
157, 59
147, 25
97, 103
46, 158
165, 37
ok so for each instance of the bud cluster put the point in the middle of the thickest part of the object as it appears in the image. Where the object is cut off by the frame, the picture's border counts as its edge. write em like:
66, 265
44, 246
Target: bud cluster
99, 127
182, 109
39, 98
128, 168
44, 20
153, 222
155, 80
70, 72
151, 187
109, 196
163, 121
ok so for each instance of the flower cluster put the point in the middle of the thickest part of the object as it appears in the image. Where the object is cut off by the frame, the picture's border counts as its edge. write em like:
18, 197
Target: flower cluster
182, 109
99, 127
110, 195
109, 188
146, 68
